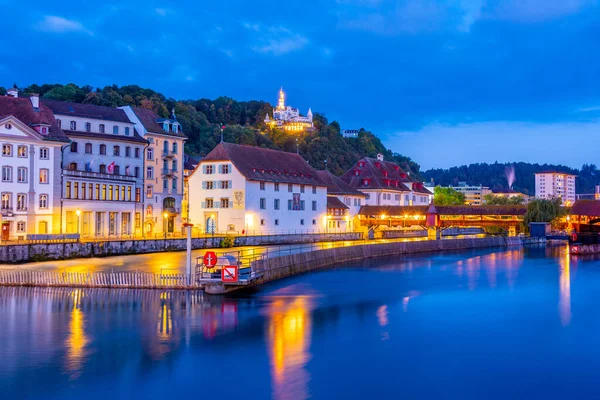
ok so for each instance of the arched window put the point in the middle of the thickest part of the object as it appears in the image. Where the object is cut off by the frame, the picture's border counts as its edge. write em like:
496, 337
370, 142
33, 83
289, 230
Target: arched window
73, 147
165, 146
175, 147
149, 211
168, 202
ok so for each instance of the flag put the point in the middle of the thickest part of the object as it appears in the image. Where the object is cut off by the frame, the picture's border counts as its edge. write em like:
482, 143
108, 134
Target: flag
111, 168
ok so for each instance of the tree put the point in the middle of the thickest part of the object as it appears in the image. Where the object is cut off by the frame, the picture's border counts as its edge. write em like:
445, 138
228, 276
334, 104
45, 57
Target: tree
492, 200
542, 210
447, 197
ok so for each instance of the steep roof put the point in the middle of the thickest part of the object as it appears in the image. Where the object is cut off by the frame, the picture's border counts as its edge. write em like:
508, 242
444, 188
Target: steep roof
150, 119
337, 186
334, 202
259, 164
590, 208
381, 175
22, 109
86, 110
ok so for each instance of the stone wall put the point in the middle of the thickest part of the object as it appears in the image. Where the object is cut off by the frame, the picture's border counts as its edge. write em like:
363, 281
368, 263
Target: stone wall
21, 253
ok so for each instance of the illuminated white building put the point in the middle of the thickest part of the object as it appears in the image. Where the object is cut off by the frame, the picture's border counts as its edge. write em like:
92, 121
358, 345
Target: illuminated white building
289, 118
551, 184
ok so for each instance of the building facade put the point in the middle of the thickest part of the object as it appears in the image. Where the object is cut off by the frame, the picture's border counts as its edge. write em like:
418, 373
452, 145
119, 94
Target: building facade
474, 194
163, 170
343, 202
289, 118
102, 171
385, 183
552, 184
238, 188
31, 142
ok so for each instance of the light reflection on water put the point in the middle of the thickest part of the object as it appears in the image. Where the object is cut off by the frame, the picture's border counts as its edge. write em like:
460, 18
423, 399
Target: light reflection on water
301, 337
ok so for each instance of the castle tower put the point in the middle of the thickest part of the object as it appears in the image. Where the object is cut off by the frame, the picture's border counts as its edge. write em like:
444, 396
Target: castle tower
281, 103
310, 114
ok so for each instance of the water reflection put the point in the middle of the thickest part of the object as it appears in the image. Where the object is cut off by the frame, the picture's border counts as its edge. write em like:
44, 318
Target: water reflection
77, 340
288, 335
564, 303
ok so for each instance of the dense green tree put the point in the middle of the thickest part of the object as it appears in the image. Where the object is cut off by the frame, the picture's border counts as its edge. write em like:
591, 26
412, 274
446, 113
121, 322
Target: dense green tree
447, 197
492, 200
542, 210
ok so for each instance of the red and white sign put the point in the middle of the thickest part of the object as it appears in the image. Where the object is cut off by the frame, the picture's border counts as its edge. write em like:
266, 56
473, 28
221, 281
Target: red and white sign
574, 249
210, 259
229, 273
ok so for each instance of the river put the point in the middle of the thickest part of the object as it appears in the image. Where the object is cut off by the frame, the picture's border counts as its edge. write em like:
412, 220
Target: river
484, 324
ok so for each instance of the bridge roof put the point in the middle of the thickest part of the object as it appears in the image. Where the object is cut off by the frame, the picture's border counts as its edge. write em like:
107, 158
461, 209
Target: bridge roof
590, 208
443, 210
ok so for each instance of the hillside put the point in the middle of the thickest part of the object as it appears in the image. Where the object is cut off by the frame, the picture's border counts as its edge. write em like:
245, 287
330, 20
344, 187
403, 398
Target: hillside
495, 175
201, 121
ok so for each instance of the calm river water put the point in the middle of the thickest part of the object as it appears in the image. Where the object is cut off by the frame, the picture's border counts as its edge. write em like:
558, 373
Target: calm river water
502, 324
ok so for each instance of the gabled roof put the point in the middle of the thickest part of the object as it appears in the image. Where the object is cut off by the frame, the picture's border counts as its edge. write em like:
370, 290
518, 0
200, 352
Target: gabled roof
375, 172
150, 120
334, 202
86, 110
337, 186
22, 109
260, 164
590, 208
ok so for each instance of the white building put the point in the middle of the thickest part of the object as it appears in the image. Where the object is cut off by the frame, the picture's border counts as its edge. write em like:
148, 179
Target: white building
350, 133
551, 184
386, 184
31, 144
239, 188
102, 170
289, 118
163, 175
474, 194
343, 203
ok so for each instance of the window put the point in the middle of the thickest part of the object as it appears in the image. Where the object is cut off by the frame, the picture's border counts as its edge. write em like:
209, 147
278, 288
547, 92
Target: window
72, 166
127, 151
166, 146
76, 190
110, 192
149, 173
101, 128
128, 193
276, 186
314, 190
314, 205
117, 193
6, 150
21, 202
263, 203
262, 222
174, 184
314, 221
68, 190
262, 186
225, 184
289, 204
137, 172
88, 127
43, 203
301, 188
116, 151
126, 131
88, 148
137, 152
44, 153
210, 203
59, 122
301, 204
174, 165
276, 204
225, 169
115, 130
73, 125
102, 168
224, 202
290, 187
97, 193
22, 151
73, 147
138, 195
165, 184
150, 153
83, 191
174, 147
117, 170
6, 201
21, 227
6, 174
208, 169
276, 222
149, 191
22, 174
103, 149
301, 222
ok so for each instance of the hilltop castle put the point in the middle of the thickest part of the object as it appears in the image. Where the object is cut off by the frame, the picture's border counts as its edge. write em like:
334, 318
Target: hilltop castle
289, 118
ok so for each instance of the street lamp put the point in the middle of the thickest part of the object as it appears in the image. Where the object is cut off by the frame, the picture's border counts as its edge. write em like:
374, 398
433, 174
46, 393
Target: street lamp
78, 213
165, 215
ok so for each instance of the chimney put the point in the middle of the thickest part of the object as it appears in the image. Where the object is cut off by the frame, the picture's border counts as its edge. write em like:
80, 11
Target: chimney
35, 100
14, 92
380, 157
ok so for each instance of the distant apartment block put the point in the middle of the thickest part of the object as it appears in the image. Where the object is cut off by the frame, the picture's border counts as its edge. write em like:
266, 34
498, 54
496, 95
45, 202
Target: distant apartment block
551, 184
474, 194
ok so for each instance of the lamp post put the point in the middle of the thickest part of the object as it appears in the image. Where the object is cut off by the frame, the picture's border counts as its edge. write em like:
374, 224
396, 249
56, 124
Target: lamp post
165, 216
78, 213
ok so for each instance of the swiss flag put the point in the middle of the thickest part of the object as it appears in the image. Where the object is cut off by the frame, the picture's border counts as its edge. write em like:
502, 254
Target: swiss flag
111, 168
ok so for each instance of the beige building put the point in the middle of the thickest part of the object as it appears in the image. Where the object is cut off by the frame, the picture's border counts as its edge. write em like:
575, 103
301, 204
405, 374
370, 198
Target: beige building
163, 170
551, 184
474, 194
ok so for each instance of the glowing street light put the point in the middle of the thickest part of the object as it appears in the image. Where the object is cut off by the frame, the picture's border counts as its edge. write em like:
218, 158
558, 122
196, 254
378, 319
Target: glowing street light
78, 213
165, 216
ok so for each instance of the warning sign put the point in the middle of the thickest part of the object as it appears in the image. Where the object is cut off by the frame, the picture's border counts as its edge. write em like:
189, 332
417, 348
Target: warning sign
229, 274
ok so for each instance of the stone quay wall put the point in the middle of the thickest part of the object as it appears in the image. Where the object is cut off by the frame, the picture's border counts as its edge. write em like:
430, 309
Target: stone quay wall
20, 253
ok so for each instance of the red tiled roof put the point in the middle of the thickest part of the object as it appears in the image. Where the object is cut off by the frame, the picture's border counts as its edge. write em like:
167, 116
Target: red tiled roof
86, 110
443, 210
260, 164
22, 109
381, 175
337, 186
334, 202
392, 210
590, 208
149, 119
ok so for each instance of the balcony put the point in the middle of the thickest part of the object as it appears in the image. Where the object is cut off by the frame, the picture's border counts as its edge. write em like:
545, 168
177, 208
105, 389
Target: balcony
98, 175
171, 210
168, 172
169, 154
6, 211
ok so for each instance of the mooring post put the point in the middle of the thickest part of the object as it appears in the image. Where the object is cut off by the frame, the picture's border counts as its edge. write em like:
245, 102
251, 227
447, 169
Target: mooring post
188, 258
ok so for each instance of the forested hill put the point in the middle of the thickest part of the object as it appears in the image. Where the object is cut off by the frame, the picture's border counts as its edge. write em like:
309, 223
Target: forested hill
495, 175
201, 121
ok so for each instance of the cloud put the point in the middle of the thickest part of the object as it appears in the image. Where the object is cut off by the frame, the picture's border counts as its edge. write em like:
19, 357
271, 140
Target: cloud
253, 27
161, 11
276, 40
534, 10
52, 23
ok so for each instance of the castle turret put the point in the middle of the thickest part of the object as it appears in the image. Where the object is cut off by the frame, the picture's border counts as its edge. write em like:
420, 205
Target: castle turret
309, 114
281, 103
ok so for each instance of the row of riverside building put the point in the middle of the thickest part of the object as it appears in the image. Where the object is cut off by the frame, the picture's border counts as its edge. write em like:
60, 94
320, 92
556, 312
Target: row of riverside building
70, 168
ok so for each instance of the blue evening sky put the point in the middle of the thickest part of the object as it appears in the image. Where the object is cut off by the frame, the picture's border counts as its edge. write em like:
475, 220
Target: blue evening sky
445, 82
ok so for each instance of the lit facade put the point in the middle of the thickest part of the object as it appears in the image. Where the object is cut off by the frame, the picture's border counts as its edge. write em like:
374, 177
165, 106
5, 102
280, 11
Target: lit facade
552, 184
474, 194
289, 118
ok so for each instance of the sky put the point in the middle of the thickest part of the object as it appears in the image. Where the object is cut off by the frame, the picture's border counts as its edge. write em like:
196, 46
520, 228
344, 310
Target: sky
445, 82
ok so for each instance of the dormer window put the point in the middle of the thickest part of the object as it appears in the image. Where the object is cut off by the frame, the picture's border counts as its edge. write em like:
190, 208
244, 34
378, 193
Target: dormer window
361, 164
378, 164
356, 173
126, 131
365, 182
385, 173
115, 129
175, 128
166, 126
403, 176
73, 125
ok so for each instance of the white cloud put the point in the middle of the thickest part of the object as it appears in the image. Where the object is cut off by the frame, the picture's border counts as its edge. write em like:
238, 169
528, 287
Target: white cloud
277, 40
252, 27
52, 23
